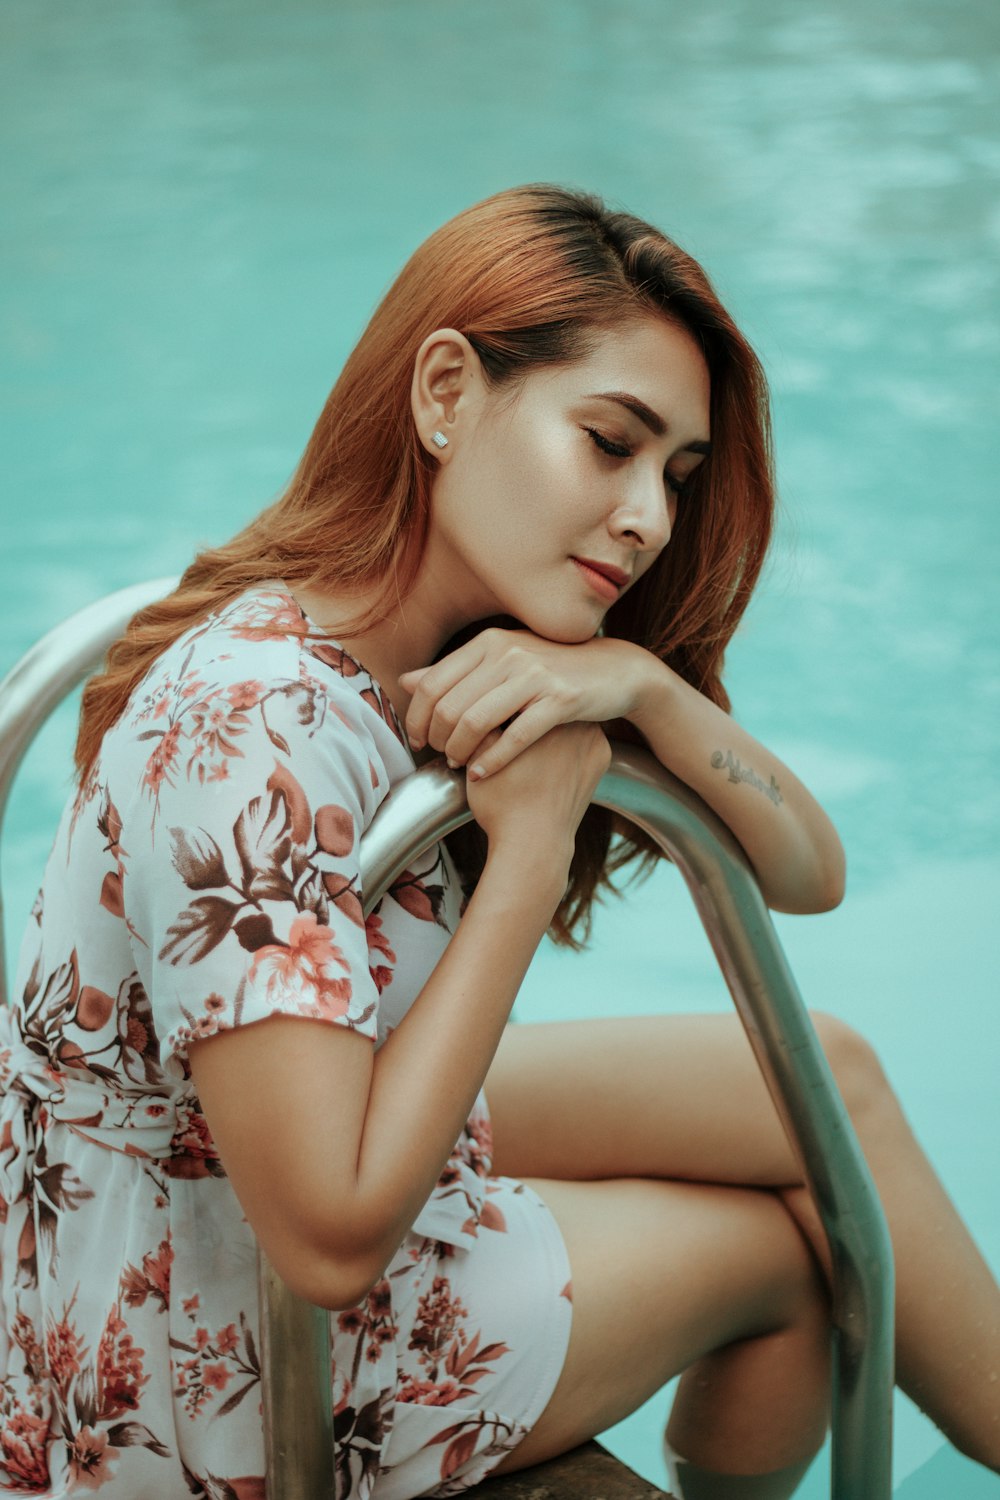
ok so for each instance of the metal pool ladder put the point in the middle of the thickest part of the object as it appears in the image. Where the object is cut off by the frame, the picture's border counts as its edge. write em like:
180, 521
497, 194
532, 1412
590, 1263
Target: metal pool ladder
295, 1334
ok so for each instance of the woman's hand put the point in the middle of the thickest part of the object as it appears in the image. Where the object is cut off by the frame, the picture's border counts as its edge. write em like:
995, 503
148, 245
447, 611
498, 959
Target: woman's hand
516, 679
531, 808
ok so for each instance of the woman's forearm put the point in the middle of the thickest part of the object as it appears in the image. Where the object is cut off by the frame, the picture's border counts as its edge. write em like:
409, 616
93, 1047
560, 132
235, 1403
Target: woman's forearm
791, 843
521, 685
428, 1073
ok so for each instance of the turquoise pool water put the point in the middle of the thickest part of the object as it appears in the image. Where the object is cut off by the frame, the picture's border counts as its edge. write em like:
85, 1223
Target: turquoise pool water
202, 203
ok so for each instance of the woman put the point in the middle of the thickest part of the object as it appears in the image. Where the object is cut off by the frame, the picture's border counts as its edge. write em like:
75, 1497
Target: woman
471, 561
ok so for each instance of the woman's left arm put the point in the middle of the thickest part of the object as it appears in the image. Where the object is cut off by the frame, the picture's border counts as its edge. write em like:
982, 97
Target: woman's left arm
790, 841
517, 679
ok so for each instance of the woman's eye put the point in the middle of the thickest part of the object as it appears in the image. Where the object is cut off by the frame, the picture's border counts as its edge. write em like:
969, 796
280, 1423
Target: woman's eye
614, 450
673, 483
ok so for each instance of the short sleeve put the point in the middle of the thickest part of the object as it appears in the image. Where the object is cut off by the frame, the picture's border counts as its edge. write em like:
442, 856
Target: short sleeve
241, 880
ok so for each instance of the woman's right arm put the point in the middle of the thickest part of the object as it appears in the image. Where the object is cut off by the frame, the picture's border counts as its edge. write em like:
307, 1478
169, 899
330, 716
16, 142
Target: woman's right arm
333, 1149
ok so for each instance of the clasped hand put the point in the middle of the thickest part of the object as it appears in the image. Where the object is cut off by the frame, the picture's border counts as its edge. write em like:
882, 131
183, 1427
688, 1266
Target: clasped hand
521, 686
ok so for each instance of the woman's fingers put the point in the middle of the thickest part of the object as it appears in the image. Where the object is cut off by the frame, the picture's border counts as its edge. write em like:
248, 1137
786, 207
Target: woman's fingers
428, 685
464, 725
454, 710
465, 715
499, 675
525, 730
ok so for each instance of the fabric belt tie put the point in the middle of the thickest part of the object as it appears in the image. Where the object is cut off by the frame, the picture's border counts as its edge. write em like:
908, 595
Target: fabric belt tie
29, 1084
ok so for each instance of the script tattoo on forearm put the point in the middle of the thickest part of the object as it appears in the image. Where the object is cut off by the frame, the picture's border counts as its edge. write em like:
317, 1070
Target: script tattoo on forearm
725, 760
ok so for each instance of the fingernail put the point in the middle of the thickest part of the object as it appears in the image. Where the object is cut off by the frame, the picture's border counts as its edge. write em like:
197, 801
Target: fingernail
416, 743
452, 764
477, 773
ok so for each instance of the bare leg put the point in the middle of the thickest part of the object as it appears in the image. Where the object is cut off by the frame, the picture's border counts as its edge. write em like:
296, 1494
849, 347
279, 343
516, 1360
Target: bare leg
680, 1097
685, 1276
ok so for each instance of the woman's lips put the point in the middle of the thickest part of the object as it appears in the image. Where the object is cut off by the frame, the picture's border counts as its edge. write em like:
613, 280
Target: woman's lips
599, 582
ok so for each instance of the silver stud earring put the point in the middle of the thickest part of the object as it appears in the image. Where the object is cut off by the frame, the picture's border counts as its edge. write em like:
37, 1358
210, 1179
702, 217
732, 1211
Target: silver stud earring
439, 440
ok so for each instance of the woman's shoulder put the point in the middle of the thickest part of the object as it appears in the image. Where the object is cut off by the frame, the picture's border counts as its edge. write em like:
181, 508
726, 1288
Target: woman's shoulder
249, 686
263, 631
260, 647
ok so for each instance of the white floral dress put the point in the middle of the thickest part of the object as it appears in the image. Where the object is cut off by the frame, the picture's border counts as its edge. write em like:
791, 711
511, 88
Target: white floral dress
206, 877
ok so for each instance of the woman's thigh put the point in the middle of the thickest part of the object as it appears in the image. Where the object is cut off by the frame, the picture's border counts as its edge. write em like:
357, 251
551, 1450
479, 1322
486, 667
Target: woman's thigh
645, 1096
662, 1274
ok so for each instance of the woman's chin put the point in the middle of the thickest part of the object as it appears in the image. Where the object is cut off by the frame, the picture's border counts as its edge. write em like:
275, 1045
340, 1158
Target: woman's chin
564, 637
566, 629
560, 630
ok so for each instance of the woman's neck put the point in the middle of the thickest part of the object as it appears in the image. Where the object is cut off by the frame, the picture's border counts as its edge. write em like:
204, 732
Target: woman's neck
410, 636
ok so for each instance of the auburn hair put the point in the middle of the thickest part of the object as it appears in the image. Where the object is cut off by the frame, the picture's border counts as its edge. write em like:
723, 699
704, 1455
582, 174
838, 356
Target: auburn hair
531, 276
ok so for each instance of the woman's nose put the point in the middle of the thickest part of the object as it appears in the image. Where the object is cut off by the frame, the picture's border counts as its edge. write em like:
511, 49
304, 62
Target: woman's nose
646, 517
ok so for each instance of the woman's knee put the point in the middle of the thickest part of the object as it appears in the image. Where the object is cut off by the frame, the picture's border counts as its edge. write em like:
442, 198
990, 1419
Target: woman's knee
855, 1065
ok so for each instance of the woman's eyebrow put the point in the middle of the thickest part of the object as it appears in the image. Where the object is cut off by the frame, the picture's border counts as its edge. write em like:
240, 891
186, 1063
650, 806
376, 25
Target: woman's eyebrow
648, 416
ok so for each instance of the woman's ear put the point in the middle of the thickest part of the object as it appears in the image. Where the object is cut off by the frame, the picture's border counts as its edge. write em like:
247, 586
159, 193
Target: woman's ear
446, 375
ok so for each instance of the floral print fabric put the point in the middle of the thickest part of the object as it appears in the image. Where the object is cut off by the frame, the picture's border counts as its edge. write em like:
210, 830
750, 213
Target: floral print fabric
206, 877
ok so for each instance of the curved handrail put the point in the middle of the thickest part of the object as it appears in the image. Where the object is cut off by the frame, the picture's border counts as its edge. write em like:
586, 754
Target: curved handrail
421, 810
48, 671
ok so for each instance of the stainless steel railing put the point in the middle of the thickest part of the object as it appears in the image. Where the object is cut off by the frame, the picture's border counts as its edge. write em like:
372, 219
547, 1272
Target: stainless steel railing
53, 666
419, 811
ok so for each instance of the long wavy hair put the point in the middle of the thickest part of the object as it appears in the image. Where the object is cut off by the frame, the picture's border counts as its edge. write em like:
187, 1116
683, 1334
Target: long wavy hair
530, 276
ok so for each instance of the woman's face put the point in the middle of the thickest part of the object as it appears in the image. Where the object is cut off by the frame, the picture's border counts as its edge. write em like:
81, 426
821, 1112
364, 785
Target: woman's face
552, 498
